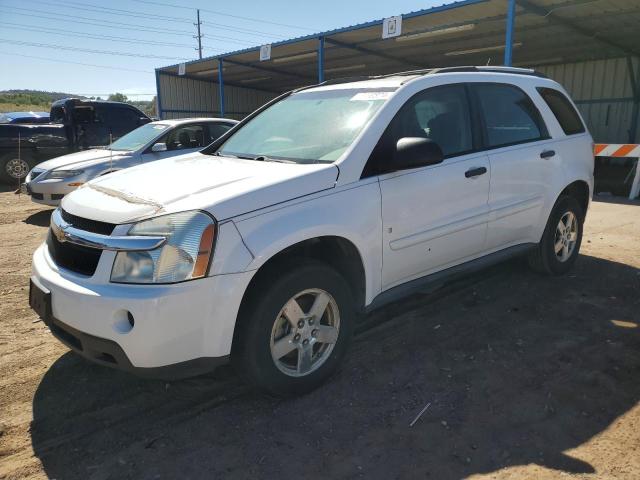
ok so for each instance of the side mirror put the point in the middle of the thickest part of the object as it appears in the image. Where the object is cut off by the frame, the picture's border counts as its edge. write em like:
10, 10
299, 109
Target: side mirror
143, 120
414, 152
159, 147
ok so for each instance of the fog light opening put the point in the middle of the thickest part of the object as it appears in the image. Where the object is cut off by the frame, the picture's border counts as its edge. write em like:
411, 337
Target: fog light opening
123, 321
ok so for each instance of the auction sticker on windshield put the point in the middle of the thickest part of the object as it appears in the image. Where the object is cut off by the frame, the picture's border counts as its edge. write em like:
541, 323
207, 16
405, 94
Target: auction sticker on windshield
367, 96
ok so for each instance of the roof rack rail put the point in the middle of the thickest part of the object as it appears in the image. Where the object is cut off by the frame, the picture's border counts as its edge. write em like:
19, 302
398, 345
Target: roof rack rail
497, 69
428, 71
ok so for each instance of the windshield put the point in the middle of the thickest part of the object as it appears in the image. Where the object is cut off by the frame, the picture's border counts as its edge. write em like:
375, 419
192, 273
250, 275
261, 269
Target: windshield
307, 127
139, 137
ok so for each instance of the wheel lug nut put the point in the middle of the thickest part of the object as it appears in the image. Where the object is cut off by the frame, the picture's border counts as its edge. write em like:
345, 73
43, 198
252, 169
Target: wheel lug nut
305, 341
296, 337
314, 333
311, 321
300, 323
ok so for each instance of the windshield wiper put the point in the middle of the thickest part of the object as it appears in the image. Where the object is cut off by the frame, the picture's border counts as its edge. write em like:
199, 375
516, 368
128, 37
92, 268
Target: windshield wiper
264, 158
232, 155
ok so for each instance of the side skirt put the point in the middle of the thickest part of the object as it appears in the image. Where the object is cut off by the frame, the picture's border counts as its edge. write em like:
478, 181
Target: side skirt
434, 281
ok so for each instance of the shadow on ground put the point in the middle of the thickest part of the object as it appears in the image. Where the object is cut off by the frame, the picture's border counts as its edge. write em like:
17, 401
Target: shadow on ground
8, 188
615, 199
40, 219
518, 368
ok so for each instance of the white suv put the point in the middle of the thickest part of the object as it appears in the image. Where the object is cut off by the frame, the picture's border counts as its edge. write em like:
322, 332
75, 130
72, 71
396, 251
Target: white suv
329, 201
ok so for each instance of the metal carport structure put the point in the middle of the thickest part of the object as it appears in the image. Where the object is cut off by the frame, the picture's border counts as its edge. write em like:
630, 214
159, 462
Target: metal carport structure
590, 46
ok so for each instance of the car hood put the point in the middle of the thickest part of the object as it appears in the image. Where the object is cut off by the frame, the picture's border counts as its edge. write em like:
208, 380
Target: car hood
226, 187
83, 159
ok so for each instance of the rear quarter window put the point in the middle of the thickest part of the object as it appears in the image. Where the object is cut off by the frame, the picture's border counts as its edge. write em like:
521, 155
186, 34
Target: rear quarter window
510, 116
563, 110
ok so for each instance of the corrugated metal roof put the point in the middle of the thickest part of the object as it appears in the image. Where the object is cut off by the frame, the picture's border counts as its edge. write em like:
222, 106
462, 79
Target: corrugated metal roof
469, 32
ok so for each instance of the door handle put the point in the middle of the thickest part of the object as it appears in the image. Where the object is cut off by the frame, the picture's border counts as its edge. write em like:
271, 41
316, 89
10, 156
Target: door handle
475, 172
547, 154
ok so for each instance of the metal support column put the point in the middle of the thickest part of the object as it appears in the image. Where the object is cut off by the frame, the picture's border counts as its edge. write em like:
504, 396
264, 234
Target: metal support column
511, 19
158, 96
320, 59
221, 86
634, 78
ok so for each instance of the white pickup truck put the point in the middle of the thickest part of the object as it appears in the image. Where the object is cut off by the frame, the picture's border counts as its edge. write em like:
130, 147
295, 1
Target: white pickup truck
322, 205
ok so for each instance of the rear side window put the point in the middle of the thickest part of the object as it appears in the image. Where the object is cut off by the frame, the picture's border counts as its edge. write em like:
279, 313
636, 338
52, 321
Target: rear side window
510, 116
562, 108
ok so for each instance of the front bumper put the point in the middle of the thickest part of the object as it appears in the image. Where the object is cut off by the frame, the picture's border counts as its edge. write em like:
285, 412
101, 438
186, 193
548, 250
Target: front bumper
48, 192
178, 330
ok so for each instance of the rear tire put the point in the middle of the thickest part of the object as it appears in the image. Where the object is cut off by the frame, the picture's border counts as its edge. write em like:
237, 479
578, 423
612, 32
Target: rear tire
294, 332
560, 244
13, 168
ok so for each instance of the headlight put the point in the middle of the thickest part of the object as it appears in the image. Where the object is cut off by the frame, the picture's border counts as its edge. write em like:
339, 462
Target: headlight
184, 256
63, 173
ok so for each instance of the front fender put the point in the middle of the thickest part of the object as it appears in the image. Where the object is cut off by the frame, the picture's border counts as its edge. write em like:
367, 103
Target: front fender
350, 212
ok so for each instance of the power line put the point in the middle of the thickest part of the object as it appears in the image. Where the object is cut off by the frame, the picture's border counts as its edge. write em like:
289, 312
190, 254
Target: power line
112, 38
65, 18
74, 63
259, 20
181, 19
129, 13
150, 16
238, 41
254, 33
104, 10
87, 50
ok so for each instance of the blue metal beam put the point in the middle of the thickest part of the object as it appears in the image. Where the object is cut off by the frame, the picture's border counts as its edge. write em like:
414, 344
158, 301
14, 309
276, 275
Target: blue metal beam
221, 86
158, 95
511, 19
634, 77
320, 59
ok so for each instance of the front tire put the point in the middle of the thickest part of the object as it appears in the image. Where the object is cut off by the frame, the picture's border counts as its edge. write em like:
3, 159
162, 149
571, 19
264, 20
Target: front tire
295, 330
560, 244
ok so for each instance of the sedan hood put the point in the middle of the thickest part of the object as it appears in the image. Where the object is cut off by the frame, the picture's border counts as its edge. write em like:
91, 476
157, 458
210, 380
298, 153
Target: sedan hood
224, 186
86, 158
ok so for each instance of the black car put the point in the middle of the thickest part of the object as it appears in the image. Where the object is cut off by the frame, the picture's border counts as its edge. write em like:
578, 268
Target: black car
74, 125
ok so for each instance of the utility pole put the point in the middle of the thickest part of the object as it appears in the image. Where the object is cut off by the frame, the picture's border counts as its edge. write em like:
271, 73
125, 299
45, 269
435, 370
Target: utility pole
199, 36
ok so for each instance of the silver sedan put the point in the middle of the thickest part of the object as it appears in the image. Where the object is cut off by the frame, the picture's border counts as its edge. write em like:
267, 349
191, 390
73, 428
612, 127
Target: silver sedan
49, 181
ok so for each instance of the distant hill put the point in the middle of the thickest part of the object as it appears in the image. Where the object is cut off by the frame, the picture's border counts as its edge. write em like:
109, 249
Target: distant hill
35, 100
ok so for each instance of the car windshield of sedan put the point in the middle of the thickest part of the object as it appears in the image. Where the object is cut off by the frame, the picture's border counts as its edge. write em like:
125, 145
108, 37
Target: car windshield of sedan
307, 127
139, 137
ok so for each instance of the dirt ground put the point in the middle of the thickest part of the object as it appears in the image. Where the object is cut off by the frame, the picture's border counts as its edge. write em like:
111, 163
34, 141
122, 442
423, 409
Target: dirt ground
526, 377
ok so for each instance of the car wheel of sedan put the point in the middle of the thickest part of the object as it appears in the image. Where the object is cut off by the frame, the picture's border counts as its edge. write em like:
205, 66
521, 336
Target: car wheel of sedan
14, 168
558, 249
295, 334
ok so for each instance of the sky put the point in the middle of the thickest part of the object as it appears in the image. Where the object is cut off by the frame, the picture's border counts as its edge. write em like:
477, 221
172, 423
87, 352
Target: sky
43, 43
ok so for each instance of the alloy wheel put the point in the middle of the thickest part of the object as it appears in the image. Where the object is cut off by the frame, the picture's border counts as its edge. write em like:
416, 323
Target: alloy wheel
566, 236
305, 332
